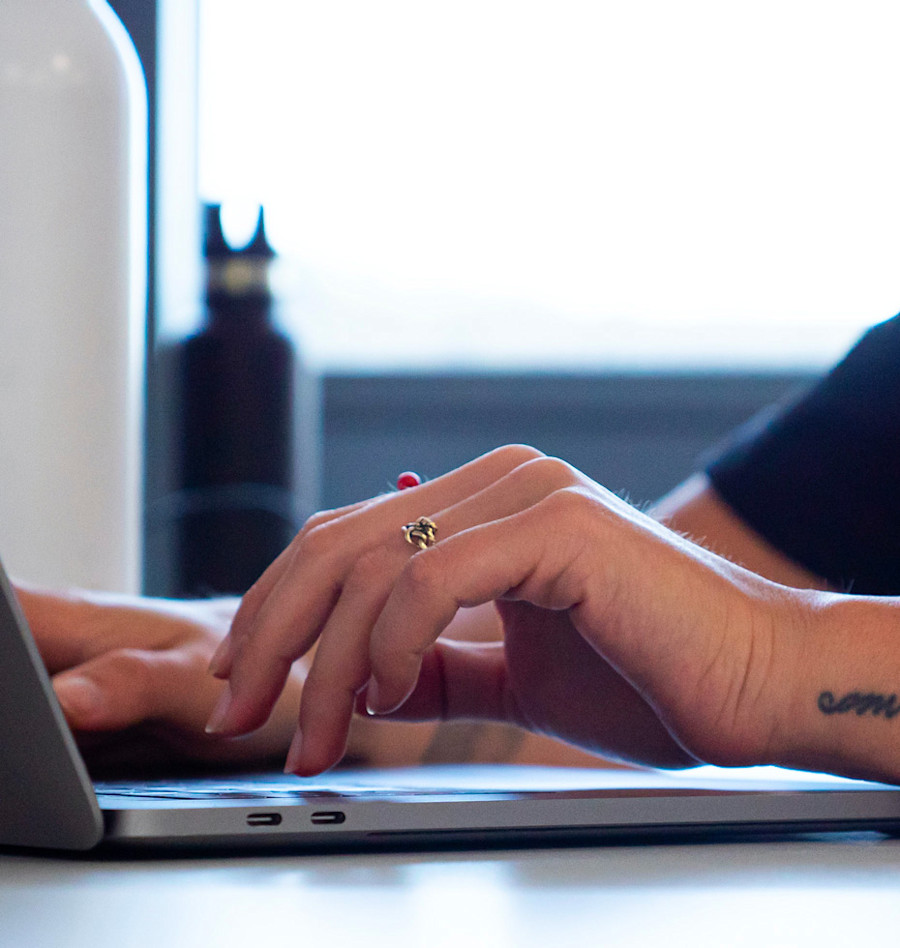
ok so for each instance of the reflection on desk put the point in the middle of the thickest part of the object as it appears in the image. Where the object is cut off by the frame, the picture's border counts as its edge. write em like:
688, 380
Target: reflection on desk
799, 892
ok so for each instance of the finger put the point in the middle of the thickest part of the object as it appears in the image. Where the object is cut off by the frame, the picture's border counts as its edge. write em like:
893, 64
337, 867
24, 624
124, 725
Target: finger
220, 664
132, 686
383, 513
484, 563
328, 700
340, 668
288, 613
524, 486
336, 674
461, 680
256, 678
474, 679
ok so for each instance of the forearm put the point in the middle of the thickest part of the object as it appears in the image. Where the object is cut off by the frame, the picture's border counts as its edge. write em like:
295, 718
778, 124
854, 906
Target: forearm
838, 705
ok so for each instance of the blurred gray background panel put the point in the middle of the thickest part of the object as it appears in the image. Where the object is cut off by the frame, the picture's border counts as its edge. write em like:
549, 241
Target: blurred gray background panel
637, 434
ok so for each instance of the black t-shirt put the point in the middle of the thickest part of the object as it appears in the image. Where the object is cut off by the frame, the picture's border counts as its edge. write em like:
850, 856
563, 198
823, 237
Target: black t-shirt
819, 478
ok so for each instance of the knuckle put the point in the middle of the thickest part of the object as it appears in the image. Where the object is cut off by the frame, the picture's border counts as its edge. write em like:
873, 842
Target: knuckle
518, 454
131, 668
422, 574
319, 541
318, 519
128, 660
572, 502
554, 472
328, 532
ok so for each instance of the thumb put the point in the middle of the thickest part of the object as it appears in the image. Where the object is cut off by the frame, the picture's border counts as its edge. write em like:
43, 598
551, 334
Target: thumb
459, 680
82, 701
116, 690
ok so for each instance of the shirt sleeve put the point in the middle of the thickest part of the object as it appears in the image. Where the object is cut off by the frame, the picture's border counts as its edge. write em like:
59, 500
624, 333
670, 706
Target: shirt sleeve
819, 478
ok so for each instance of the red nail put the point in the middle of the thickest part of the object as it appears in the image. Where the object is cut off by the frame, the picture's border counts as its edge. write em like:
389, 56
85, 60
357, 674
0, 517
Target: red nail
408, 479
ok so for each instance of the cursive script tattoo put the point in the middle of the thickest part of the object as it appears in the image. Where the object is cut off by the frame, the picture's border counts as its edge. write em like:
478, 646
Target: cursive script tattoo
860, 702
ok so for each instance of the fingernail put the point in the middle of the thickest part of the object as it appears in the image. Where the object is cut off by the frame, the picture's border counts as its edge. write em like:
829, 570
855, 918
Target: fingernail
372, 697
295, 753
220, 712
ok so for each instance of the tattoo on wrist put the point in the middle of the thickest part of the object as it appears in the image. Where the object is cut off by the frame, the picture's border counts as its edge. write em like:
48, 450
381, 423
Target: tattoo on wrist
860, 702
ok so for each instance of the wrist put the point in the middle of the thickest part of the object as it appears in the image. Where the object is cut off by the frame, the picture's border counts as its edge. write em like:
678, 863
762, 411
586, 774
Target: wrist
843, 715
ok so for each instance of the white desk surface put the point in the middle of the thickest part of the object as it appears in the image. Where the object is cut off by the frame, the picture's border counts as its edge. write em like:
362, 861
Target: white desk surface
818, 891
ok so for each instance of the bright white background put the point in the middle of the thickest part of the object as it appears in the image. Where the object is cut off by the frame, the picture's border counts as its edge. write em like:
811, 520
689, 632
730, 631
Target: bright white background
562, 183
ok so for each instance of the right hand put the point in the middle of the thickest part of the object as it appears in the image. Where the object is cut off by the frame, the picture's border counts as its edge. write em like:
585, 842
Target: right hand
619, 635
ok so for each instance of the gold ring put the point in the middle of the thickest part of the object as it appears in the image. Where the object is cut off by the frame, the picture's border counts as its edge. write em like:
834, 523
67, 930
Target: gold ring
420, 532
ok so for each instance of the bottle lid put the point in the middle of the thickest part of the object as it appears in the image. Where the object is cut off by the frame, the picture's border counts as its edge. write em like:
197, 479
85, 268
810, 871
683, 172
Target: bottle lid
236, 272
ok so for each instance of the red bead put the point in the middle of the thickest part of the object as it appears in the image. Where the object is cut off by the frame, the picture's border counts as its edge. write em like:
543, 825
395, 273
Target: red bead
408, 479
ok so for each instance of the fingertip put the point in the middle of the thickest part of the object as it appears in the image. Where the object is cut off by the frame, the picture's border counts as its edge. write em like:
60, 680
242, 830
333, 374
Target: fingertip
218, 720
236, 713
293, 763
320, 741
373, 695
376, 702
305, 759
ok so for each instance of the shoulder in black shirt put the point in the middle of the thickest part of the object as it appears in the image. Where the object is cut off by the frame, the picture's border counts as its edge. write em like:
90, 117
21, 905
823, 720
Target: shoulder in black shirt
820, 477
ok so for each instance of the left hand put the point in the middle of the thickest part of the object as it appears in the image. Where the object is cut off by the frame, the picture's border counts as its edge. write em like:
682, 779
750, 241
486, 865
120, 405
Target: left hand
131, 676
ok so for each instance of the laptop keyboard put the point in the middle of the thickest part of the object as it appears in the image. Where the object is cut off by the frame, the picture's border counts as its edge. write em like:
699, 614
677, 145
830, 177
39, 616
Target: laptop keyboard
240, 790
431, 781
287, 789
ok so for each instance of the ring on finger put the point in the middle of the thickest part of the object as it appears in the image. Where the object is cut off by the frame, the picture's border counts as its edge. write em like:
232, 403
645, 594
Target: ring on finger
420, 533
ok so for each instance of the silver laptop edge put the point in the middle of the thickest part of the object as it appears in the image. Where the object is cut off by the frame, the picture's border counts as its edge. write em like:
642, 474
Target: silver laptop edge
46, 796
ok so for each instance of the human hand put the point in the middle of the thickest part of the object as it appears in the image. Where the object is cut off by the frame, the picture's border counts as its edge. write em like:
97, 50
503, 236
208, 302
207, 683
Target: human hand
131, 676
619, 635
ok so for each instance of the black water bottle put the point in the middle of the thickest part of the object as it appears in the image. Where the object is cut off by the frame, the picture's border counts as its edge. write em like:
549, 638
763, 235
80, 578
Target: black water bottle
237, 504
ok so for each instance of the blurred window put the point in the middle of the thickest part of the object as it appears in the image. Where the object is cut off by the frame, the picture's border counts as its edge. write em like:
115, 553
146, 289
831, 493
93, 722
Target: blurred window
562, 183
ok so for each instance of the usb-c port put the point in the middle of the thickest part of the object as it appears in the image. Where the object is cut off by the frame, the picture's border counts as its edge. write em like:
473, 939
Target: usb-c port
264, 819
328, 816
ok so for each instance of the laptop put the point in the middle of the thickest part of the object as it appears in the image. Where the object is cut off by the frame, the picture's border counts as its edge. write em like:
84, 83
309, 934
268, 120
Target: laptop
47, 799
